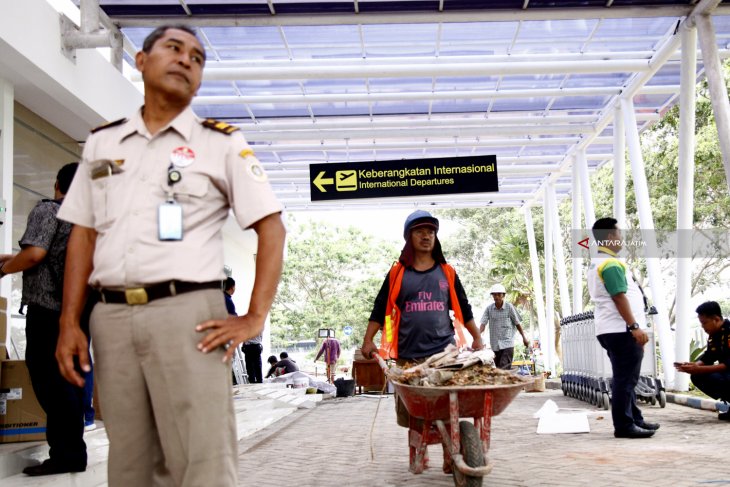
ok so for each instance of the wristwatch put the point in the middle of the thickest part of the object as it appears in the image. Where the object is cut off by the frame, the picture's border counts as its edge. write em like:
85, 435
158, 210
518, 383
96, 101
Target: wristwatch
632, 327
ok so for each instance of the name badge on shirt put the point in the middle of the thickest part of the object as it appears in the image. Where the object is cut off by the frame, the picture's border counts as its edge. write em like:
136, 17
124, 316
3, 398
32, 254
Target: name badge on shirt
169, 221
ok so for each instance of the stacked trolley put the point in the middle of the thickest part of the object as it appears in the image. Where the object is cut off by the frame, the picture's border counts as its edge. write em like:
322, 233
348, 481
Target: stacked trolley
587, 371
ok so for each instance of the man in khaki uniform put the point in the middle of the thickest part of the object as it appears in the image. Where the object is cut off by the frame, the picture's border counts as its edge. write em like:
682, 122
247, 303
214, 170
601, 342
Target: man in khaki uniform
148, 204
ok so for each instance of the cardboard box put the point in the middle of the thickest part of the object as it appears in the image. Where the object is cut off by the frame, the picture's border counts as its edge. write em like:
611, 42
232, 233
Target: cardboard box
21, 417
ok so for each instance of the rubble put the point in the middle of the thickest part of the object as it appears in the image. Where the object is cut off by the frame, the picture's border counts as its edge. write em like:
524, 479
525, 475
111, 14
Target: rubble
454, 368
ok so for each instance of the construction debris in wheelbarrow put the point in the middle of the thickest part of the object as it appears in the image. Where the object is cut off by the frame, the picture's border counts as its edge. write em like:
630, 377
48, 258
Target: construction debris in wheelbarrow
451, 368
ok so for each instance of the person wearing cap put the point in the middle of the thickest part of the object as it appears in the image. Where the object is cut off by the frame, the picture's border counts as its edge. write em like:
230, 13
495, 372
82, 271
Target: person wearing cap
148, 206
503, 319
414, 305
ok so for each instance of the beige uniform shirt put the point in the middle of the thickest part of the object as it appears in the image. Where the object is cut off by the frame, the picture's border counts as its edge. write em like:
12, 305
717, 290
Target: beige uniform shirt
219, 173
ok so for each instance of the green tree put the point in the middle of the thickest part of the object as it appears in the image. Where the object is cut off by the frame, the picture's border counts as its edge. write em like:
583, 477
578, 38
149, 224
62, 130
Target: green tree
330, 279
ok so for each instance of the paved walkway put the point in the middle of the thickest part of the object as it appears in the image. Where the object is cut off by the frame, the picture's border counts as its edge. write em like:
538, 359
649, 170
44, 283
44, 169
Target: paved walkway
330, 445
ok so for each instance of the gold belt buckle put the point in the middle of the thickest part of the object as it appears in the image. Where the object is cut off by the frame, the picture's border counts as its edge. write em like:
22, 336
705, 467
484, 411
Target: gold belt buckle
136, 295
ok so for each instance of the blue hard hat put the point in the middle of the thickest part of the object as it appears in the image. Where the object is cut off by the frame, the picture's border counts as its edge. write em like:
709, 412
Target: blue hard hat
419, 218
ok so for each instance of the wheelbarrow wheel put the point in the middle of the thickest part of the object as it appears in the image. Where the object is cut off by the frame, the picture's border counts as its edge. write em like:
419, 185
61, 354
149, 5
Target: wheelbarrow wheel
471, 450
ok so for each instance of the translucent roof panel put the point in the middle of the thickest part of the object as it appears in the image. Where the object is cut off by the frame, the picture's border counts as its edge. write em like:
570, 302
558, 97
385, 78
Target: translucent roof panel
375, 80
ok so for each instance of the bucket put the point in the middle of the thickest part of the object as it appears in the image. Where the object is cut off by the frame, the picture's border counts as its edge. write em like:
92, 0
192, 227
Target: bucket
345, 387
300, 383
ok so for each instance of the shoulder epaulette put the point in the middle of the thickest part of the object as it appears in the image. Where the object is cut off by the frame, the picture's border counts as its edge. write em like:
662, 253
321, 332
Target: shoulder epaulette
108, 125
218, 126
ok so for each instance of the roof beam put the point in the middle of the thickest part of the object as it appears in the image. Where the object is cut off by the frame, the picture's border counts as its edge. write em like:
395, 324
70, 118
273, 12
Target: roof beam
427, 95
414, 121
456, 16
424, 70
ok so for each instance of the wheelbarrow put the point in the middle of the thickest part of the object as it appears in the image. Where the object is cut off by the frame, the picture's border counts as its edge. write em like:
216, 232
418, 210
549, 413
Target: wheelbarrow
434, 418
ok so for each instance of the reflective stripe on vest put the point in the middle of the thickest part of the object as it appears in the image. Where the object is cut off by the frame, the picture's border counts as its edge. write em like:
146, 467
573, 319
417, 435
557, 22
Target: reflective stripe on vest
389, 340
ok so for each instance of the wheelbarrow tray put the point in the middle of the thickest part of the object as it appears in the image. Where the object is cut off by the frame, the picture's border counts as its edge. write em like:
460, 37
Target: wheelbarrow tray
432, 403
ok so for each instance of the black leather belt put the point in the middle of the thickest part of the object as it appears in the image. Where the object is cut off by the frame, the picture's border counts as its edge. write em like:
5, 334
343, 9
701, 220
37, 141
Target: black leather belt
143, 295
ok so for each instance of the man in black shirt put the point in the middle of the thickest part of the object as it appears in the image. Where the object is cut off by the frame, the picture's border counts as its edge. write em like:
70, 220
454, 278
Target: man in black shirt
711, 372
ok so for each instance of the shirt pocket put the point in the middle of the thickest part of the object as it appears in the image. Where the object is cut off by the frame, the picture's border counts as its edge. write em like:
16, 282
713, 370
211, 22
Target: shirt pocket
106, 194
191, 193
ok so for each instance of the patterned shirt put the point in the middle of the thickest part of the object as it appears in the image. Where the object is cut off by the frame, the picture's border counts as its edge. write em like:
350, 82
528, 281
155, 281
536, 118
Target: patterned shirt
43, 283
502, 325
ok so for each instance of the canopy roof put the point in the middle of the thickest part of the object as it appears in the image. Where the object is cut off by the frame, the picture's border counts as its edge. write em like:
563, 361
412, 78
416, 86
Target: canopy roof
531, 81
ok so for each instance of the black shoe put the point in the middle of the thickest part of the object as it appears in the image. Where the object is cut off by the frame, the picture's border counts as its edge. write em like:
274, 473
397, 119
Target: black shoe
647, 426
634, 432
49, 467
724, 416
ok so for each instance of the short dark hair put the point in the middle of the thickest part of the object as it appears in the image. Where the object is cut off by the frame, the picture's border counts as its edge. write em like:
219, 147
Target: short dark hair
65, 176
603, 227
230, 283
709, 309
272, 359
283, 355
156, 34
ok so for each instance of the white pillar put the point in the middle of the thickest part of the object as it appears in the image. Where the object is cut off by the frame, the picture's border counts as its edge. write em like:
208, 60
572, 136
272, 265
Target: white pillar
537, 284
585, 188
7, 95
549, 282
577, 260
685, 199
619, 168
716, 83
559, 253
641, 188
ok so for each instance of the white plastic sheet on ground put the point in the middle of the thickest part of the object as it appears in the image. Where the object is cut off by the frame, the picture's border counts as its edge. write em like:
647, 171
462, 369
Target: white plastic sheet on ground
288, 379
554, 421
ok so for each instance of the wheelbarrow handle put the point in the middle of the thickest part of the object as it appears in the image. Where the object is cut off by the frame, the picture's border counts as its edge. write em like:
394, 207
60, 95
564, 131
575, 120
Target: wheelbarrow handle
380, 361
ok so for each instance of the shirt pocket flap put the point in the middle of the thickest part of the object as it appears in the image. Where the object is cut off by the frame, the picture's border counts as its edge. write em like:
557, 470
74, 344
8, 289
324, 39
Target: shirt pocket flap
190, 185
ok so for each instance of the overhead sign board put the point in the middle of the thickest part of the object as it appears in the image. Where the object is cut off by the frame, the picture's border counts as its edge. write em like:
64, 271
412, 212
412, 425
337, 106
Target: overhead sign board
417, 177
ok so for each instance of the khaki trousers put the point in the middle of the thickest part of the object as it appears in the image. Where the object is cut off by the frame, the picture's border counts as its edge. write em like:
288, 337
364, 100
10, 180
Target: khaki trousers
167, 407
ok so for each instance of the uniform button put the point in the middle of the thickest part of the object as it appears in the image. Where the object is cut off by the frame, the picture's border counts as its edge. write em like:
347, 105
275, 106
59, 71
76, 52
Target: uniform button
130, 250
143, 177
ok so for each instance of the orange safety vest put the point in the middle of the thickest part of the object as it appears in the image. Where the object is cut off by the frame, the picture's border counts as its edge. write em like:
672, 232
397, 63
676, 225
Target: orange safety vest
389, 339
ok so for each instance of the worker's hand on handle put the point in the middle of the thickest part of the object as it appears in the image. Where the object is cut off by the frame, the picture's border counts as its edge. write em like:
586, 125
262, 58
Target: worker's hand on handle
368, 349
72, 343
640, 336
525, 342
477, 344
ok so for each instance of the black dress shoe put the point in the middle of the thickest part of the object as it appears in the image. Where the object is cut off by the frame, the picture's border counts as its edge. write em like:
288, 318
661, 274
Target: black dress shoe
724, 416
647, 426
633, 432
50, 467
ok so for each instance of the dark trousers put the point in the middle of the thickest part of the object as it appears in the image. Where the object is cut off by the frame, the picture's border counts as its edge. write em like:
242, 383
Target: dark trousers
61, 401
503, 358
625, 355
252, 355
715, 385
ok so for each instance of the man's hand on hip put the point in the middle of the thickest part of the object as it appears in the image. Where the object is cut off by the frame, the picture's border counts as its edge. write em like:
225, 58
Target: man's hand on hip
229, 333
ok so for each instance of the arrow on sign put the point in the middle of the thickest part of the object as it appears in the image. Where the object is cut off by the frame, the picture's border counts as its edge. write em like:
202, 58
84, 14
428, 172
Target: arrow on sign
320, 181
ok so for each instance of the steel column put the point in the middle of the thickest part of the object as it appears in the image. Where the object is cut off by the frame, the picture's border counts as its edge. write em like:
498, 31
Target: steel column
685, 199
577, 260
558, 240
619, 169
646, 221
549, 281
7, 97
537, 285
716, 83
